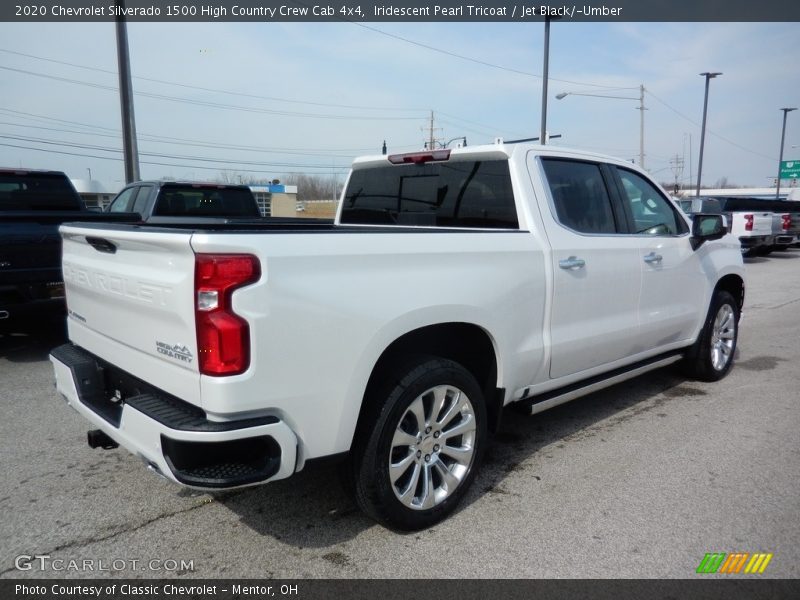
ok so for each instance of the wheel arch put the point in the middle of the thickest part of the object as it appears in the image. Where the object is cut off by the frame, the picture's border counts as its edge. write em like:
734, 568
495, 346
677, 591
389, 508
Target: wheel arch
734, 285
465, 343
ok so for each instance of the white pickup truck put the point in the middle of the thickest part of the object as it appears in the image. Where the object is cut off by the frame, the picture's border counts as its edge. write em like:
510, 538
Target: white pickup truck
452, 283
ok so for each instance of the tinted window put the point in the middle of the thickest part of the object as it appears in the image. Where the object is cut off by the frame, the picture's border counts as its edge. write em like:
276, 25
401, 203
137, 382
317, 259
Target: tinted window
652, 213
446, 194
140, 203
580, 196
123, 201
205, 201
37, 191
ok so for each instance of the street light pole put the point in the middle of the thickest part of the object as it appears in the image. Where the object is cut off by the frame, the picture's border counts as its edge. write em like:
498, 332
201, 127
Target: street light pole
641, 108
708, 77
780, 160
545, 76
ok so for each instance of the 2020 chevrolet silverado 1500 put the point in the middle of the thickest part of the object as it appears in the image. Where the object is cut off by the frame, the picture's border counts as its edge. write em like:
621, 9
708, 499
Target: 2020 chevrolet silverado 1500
452, 284
32, 206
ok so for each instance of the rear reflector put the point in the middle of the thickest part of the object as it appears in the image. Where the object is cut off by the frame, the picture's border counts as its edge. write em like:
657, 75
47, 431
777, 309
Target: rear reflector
223, 337
419, 158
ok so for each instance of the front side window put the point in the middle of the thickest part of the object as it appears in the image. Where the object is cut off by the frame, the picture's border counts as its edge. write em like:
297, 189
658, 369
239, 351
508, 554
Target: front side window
652, 213
580, 197
475, 194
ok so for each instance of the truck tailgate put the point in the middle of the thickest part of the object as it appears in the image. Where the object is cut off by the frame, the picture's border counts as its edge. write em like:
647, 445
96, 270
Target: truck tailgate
130, 301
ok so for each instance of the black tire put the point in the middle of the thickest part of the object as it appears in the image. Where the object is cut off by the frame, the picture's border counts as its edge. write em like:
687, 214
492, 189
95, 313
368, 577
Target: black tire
765, 250
750, 252
704, 361
420, 382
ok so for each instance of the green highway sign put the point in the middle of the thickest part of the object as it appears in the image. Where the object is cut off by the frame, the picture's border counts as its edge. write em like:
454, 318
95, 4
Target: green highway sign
790, 169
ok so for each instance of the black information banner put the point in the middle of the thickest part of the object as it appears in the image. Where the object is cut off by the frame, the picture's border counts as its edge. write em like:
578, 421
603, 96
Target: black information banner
399, 10
399, 589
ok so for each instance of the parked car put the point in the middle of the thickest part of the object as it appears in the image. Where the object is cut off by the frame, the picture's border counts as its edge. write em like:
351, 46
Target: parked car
749, 219
33, 203
453, 283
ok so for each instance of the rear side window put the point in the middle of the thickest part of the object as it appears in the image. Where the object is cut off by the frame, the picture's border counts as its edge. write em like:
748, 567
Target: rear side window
474, 194
580, 196
180, 201
37, 191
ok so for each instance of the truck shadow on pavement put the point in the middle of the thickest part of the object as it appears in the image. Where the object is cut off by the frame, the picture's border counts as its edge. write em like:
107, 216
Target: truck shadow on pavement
311, 509
31, 341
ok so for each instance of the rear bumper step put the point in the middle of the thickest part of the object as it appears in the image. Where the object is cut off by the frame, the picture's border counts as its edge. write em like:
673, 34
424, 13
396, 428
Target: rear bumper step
172, 436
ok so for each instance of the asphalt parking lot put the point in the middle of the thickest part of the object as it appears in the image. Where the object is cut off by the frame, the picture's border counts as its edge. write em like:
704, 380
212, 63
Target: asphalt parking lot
640, 480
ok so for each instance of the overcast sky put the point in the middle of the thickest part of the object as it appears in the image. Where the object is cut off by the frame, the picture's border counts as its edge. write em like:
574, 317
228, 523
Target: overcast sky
288, 97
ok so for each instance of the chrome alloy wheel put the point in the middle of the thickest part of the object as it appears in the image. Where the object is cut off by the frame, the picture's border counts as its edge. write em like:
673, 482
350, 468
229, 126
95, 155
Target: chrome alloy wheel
722, 337
433, 447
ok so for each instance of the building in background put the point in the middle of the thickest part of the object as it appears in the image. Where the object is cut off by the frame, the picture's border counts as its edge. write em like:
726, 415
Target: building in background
276, 199
95, 193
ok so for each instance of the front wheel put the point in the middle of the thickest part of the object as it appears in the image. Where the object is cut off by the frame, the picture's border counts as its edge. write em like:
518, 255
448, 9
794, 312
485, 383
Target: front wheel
419, 450
711, 357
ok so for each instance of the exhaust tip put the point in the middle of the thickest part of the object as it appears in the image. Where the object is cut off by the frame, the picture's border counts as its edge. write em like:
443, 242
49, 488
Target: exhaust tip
98, 439
4, 314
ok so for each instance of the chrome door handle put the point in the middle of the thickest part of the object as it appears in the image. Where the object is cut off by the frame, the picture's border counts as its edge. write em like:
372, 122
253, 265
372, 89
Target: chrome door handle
572, 263
653, 258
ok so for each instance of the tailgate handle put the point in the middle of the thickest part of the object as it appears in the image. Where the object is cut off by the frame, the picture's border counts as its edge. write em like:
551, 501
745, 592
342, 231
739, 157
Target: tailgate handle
101, 244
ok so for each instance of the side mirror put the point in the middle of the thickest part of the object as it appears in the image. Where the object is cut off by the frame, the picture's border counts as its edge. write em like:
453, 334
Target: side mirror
707, 227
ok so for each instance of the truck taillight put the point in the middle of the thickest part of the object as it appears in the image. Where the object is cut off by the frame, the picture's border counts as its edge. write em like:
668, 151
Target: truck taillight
419, 158
748, 225
223, 338
787, 222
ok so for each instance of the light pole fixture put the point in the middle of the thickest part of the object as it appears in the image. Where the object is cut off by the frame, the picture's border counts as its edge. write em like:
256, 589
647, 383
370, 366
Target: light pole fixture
786, 111
641, 108
708, 77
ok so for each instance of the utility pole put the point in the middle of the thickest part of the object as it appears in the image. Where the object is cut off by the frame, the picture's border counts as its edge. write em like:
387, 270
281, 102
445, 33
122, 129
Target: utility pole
431, 143
641, 126
129, 146
780, 160
676, 164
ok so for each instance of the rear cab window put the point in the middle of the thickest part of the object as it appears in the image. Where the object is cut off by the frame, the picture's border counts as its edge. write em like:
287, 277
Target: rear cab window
177, 200
453, 193
25, 190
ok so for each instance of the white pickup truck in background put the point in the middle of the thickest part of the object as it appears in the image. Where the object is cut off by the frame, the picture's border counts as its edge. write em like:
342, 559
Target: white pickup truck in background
452, 283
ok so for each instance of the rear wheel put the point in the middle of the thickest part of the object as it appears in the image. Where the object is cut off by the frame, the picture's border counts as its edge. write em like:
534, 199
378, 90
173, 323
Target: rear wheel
420, 448
711, 357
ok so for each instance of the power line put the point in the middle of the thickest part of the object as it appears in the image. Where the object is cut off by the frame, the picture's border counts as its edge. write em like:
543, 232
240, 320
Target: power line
172, 156
340, 170
207, 89
480, 62
209, 104
724, 139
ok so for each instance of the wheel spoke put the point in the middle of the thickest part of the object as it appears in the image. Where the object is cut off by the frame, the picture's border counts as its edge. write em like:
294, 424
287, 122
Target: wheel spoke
403, 438
450, 480
455, 407
427, 497
439, 398
417, 409
466, 425
407, 495
460, 454
396, 470
726, 334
